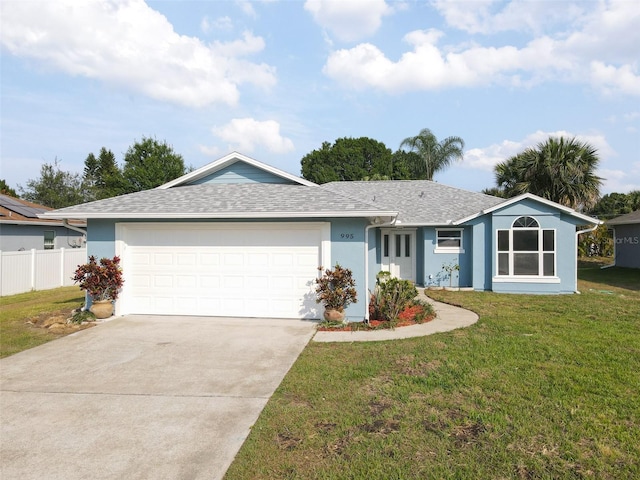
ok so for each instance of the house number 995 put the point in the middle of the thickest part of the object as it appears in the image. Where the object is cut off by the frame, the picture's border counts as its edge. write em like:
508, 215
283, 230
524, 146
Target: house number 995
346, 236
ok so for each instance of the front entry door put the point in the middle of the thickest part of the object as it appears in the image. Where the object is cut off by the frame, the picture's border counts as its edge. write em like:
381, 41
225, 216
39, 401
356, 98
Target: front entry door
399, 253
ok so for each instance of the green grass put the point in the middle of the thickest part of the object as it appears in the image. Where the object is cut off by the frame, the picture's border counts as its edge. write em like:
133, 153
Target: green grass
542, 387
15, 334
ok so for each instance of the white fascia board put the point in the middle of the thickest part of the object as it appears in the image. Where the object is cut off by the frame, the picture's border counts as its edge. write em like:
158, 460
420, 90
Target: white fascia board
423, 224
38, 224
228, 160
536, 198
230, 215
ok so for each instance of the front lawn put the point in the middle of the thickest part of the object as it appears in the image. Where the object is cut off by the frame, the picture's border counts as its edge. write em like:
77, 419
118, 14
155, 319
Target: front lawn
540, 387
15, 310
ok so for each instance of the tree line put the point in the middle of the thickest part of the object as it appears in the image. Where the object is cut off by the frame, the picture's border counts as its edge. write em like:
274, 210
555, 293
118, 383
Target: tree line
147, 164
559, 169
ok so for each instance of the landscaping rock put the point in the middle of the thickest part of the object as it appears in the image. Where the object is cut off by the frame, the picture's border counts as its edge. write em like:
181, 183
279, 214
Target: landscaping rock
58, 328
48, 322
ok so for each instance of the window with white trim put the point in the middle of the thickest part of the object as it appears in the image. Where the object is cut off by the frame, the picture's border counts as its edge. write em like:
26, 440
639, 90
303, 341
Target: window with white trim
449, 241
49, 239
526, 250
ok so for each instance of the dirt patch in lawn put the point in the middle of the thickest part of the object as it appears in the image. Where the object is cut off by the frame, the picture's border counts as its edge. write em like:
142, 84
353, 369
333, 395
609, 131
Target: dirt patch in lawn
58, 323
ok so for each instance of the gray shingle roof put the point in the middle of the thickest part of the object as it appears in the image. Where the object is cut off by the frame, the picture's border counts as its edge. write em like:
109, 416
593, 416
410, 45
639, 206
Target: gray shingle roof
627, 218
418, 201
225, 201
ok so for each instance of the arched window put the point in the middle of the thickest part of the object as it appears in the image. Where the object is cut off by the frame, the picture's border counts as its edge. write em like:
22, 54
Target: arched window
525, 222
526, 250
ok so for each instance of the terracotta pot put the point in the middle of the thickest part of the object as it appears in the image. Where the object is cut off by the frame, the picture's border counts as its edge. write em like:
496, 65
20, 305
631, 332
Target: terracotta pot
333, 315
102, 308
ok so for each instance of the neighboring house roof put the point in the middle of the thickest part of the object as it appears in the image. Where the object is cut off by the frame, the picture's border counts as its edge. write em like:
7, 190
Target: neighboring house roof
16, 211
255, 200
626, 219
419, 202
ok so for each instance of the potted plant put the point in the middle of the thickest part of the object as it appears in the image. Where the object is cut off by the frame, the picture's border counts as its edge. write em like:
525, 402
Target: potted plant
336, 290
102, 281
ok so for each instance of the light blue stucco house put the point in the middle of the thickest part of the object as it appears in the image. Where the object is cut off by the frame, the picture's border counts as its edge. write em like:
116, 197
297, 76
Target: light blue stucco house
241, 238
21, 229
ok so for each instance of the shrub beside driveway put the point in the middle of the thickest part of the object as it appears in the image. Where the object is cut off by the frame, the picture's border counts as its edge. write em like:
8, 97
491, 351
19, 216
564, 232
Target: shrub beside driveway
540, 387
16, 310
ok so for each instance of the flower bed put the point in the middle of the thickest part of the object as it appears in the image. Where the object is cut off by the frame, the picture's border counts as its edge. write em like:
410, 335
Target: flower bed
412, 315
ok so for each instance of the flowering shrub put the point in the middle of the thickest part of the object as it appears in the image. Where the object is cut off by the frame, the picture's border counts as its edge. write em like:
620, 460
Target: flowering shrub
336, 288
102, 281
391, 297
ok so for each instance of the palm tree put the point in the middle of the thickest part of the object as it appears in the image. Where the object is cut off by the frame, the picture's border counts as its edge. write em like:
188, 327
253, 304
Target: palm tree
559, 169
435, 155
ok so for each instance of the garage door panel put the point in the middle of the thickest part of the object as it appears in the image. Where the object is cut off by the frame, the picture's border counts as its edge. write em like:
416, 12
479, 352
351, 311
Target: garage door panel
188, 259
186, 281
221, 270
209, 281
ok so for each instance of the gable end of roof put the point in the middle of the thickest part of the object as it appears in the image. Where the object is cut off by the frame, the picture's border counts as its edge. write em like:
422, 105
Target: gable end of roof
226, 161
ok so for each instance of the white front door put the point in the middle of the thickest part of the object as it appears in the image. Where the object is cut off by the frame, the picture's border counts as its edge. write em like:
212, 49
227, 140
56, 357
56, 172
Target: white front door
399, 253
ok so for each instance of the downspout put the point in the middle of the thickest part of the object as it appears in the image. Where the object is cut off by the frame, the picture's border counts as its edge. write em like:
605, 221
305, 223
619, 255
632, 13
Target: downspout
578, 233
66, 224
366, 261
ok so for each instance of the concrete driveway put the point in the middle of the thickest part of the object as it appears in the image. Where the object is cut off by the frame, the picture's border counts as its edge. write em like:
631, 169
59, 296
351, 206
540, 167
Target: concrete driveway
142, 397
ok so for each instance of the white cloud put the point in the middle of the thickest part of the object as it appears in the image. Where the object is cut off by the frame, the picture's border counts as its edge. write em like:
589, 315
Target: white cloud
128, 44
349, 20
493, 16
212, 151
620, 181
610, 79
486, 158
245, 134
224, 24
428, 67
247, 8
600, 52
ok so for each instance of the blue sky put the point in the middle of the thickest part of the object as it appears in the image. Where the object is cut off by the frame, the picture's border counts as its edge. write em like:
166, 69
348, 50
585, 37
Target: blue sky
274, 79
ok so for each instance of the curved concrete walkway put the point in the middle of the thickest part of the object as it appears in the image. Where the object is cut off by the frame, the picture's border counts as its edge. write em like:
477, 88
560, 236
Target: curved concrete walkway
447, 318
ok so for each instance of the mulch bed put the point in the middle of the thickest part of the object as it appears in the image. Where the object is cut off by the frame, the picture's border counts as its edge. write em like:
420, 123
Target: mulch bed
405, 319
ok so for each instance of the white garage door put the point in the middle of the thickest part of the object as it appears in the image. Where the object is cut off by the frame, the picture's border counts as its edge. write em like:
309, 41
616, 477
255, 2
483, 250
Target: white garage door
237, 270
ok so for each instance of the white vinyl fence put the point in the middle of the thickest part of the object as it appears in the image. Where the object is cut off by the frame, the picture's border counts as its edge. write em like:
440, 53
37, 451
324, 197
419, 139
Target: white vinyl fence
38, 269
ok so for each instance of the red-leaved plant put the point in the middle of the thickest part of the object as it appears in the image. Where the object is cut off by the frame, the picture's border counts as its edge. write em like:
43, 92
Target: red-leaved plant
336, 288
102, 281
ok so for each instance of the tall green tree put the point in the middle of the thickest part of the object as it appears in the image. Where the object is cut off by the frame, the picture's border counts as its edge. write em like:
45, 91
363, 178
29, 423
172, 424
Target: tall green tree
55, 188
102, 176
347, 159
615, 204
406, 166
559, 169
150, 163
494, 191
434, 156
6, 189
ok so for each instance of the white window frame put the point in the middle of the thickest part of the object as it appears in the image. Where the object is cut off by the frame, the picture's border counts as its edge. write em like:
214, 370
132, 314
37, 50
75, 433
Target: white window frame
541, 277
459, 249
51, 245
